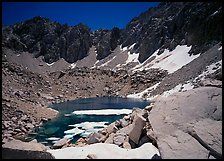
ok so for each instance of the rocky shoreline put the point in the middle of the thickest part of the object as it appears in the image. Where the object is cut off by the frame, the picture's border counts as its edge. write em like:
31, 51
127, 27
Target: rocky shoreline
153, 125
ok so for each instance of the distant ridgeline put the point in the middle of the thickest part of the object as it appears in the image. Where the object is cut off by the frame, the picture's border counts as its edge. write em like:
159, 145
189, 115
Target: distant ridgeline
164, 27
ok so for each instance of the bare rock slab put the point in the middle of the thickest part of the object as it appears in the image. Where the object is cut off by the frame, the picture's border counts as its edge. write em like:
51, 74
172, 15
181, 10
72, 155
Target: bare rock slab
172, 116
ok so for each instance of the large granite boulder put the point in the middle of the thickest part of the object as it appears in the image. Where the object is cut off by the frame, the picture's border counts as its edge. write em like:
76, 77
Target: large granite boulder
176, 117
138, 124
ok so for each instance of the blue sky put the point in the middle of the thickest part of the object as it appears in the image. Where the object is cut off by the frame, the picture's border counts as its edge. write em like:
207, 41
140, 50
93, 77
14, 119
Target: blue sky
94, 14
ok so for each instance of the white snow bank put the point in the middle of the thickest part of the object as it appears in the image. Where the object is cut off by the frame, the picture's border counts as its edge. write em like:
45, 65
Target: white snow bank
168, 60
106, 151
103, 112
132, 58
174, 60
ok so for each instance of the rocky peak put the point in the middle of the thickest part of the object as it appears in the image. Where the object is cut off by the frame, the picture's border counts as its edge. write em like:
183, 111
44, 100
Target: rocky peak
106, 41
162, 27
172, 24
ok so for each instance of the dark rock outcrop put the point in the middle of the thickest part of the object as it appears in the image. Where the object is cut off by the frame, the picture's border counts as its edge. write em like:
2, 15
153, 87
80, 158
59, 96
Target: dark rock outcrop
17, 149
106, 41
41, 36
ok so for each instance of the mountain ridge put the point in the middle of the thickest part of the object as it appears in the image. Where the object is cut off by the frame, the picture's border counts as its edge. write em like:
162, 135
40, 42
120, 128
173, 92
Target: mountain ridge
161, 27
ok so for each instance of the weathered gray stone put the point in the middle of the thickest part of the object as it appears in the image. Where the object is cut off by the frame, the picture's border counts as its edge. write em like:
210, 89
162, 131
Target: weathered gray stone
119, 138
138, 124
111, 128
151, 136
211, 82
110, 139
199, 109
124, 123
60, 143
95, 138
29, 125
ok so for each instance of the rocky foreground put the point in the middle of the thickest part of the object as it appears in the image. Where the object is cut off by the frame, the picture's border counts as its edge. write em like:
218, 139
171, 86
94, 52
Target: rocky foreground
183, 125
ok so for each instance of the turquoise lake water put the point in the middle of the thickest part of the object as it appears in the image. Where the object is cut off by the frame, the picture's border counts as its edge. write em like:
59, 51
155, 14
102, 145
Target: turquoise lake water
64, 126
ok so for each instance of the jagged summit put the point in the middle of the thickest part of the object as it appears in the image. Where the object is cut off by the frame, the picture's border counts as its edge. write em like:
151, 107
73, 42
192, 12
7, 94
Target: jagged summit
161, 27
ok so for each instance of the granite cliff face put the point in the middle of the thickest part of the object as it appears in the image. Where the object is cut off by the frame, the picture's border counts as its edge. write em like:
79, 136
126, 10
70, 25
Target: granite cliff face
172, 24
162, 27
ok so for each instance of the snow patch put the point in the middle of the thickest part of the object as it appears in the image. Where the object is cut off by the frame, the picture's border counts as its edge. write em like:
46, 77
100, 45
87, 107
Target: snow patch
178, 88
104, 64
220, 48
124, 48
52, 139
106, 151
214, 13
73, 65
168, 60
132, 58
50, 64
132, 46
209, 70
140, 94
143, 65
94, 65
103, 112
174, 60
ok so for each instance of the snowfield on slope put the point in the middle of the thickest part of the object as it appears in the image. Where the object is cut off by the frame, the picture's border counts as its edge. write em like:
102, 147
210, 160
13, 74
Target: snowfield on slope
168, 60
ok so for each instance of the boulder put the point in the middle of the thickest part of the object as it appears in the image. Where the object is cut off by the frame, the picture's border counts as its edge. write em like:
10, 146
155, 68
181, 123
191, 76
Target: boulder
119, 138
172, 116
60, 143
111, 128
91, 156
211, 82
24, 150
138, 124
110, 139
95, 138
151, 135
126, 145
29, 126
123, 122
